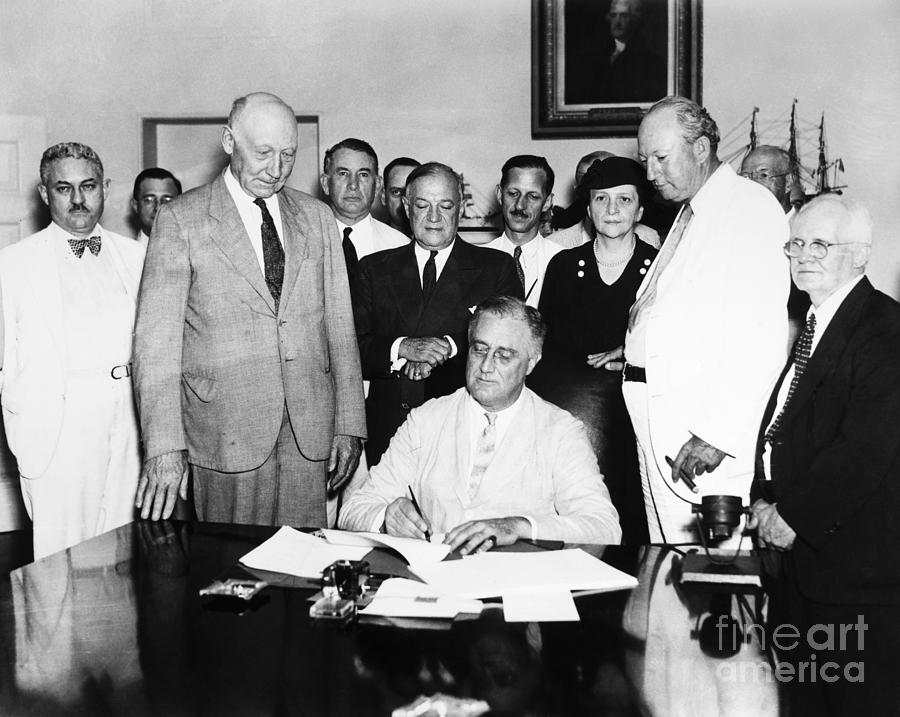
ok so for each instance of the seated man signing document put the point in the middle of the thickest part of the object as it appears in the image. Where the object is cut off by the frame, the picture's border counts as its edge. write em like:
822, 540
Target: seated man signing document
492, 462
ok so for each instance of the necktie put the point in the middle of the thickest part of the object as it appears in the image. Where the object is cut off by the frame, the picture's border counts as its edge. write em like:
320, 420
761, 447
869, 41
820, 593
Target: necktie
350, 256
429, 277
802, 350
645, 300
273, 253
78, 246
520, 272
484, 453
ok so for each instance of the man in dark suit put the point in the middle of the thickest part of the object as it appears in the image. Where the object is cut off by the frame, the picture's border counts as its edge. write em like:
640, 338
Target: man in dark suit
245, 356
413, 304
827, 489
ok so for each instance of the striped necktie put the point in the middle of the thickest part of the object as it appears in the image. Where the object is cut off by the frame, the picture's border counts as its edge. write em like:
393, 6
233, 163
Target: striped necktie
802, 351
484, 453
520, 272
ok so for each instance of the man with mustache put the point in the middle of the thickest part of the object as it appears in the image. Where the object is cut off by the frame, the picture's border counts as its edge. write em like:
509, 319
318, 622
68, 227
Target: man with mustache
524, 193
246, 364
69, 294
350, 180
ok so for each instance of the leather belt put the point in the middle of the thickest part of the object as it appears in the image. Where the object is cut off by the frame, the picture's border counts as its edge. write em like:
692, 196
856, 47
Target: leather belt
637, 374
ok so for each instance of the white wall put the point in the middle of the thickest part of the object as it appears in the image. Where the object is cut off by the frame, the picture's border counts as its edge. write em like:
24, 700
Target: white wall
444, 79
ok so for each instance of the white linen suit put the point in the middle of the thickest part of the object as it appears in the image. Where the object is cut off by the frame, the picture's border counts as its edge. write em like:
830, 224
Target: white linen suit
716, 339
60, 401
544, 469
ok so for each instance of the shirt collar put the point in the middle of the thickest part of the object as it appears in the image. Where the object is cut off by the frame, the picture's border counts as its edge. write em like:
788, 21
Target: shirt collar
477, 411
242, 198
364, 223
707, 197
828, 308
61, 233
423, 254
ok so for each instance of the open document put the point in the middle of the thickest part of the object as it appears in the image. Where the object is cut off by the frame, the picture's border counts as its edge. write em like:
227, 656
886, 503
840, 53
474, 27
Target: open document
493, 574
413, 550
295, 553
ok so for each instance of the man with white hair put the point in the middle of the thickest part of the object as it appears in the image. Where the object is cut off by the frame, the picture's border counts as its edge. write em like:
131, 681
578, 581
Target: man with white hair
828, 465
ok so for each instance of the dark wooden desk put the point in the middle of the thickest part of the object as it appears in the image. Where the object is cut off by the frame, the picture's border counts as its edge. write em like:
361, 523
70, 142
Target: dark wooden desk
115, 626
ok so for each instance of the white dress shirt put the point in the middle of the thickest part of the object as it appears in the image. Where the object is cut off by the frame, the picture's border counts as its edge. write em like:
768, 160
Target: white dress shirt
824, 314
536, 254
142, 238
369, 235
251, 215
439, 262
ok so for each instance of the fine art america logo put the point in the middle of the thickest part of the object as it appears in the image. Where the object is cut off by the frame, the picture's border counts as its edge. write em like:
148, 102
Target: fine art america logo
829, 640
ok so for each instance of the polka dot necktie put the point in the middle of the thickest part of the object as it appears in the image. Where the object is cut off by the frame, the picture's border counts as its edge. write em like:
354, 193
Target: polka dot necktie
802, 351
520, 272
78, 245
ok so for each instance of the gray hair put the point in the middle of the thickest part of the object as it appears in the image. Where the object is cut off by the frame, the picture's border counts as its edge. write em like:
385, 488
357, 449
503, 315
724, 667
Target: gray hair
693, 119
510, 307
855, 222
68, 150
435, 169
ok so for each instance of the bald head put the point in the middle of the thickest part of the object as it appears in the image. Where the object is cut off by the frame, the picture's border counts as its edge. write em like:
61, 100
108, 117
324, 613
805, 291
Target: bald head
771, 167
261, 139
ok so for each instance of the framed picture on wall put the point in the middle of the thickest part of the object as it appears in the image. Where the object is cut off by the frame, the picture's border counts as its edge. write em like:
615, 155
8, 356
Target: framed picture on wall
597, 65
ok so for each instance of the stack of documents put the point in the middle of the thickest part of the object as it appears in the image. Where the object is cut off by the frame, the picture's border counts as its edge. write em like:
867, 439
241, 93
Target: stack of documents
534, 586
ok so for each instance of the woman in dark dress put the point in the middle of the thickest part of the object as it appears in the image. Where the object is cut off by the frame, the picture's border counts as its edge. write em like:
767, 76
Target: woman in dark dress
585, 300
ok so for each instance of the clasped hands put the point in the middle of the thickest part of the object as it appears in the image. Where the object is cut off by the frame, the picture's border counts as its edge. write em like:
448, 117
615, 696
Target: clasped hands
422, 354
475, 536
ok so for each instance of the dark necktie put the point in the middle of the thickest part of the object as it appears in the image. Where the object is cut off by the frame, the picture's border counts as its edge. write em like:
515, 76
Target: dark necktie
429, 277
350, 257
78, 246
273, 252
802, 350
520, 272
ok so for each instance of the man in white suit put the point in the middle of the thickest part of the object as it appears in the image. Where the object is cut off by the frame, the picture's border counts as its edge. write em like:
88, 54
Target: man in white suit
492, 462
525, 192
350, 180
708, 330
69, 296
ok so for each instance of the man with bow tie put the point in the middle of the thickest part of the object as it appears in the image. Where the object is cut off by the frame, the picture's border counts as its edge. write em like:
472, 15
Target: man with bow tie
69, 295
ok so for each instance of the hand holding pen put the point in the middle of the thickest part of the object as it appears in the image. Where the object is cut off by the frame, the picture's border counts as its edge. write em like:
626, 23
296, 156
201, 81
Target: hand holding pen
404, 518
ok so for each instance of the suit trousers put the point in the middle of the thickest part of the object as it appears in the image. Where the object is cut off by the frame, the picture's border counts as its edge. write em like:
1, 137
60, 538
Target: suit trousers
287, 489
669, 517
90, 483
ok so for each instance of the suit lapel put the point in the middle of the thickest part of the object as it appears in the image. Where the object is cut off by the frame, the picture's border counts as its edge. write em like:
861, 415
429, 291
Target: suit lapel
460, 472
407, 287
45, 282
458, 274
296, 243
830, 347
228, 233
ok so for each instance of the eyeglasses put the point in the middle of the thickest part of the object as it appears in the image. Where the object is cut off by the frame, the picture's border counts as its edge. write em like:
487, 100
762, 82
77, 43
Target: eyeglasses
818, 249
762, 174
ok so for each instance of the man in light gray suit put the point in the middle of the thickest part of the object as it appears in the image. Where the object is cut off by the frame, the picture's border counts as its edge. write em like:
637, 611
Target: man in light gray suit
246, 364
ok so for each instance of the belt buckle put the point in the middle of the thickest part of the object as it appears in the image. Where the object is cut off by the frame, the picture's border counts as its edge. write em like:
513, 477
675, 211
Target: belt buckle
121, 371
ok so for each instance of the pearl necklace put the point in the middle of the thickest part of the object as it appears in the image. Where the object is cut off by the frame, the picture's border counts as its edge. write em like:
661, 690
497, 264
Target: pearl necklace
617, 262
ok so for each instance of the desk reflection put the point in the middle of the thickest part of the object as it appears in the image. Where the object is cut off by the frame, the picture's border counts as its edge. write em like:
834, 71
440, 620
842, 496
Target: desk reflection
116, 626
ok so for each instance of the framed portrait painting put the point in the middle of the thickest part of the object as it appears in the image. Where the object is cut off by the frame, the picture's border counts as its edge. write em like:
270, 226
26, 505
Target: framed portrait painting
597, 65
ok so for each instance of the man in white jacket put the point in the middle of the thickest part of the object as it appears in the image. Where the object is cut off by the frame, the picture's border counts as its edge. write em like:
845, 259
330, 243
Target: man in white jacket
492, 462
69, 297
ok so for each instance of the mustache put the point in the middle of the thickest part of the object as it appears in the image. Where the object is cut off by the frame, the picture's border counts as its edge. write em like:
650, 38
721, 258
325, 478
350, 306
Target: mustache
78, 207
519, 213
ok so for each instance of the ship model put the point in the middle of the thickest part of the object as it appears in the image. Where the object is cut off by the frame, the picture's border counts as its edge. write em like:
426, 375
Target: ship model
810, 180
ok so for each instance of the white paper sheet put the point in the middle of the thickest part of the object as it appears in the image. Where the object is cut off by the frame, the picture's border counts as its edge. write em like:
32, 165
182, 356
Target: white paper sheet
492, 574
413, 550
295, 553
400, 597
540, 606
